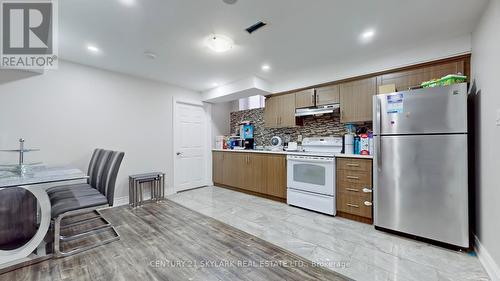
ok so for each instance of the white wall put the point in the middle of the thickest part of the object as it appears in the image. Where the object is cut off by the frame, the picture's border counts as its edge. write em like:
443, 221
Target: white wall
486, 72
221, 119
70, 111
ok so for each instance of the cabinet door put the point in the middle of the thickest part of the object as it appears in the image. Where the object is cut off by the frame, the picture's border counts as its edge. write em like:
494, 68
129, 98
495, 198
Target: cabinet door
328, 95
286, 116
274, 168
414, 77
304, 98
356, 100
271, 112
253, 173
217, 166
234, 163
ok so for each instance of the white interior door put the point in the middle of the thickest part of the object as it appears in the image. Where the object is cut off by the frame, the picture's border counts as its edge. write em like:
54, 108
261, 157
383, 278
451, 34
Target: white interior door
190, 146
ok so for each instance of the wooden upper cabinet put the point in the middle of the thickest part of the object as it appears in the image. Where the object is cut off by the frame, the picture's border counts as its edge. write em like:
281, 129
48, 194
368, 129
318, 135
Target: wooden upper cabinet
279, 111
414, 77
286, 115
271, 112
356, 100
305, 98
328, 95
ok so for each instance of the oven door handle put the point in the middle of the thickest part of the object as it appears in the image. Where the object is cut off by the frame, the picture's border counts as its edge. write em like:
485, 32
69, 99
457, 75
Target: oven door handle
311, 160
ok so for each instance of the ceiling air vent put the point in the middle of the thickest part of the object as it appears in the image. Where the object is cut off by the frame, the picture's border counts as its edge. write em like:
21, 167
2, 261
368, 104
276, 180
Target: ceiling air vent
255, 27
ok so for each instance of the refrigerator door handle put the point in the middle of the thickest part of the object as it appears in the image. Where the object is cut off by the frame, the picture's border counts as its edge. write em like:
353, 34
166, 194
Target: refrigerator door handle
378, 126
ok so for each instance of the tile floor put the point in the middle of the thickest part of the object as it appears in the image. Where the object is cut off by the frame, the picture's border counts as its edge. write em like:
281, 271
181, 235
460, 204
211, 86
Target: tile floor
354, 249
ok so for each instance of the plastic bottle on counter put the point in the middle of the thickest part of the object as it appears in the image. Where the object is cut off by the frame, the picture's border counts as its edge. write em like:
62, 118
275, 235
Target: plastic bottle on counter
357, 145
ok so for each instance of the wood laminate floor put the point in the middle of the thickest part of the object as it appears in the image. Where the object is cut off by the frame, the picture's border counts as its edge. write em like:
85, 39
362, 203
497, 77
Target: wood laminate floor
167, 241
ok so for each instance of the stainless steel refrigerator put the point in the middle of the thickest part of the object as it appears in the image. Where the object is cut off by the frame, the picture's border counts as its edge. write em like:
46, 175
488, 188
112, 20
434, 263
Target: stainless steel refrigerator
420, 163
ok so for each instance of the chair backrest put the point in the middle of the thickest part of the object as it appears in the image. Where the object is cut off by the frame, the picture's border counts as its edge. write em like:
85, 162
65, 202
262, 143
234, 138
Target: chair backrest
103, 169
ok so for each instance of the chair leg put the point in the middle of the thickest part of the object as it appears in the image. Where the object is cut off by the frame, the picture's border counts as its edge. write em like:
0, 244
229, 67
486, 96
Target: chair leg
57, 234
58, 238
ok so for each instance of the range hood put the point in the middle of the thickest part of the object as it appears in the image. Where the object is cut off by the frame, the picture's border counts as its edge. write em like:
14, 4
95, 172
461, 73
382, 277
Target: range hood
323, 109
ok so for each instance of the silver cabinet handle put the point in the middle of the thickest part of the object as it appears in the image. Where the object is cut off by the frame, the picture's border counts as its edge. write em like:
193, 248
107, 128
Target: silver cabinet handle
352, 205
352, 189
367, 203
353, 165
367, 190
353, 177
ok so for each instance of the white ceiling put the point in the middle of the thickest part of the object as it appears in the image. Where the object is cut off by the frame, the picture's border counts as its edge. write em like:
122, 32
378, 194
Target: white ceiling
301, 34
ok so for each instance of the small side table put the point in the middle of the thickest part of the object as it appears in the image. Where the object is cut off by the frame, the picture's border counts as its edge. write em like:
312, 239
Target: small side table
155, 180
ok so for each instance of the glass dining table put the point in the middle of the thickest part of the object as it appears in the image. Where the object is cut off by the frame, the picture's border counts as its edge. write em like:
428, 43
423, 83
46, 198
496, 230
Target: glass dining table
25, 213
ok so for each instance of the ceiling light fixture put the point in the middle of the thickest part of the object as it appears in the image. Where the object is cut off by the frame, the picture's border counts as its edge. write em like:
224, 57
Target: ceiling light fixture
150, 55
128, 2
230, 2
367, 35
219, 43
93, 49
266, 67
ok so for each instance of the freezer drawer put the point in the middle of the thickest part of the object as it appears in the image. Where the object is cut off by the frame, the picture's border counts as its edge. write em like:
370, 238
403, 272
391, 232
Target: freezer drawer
421, 186
311, 201
438, 110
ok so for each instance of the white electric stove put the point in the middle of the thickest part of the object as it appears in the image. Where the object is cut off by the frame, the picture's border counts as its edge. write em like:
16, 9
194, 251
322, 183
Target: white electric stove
311, 175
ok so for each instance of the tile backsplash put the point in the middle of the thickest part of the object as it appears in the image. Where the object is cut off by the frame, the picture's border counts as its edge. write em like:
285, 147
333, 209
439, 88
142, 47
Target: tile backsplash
314, 126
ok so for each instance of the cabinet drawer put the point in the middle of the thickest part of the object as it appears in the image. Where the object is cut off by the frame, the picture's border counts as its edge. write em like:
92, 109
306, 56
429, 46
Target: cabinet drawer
354, 178
354, 164
363, 193
355, 205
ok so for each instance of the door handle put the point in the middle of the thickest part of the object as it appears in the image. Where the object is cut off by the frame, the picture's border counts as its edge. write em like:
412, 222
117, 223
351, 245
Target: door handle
179, 153
367, 190
352, 205
367, 203
352, 189
352, 177
378, 129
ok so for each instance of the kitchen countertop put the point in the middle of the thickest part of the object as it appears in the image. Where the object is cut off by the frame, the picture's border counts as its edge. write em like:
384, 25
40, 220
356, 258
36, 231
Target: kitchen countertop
253, 151
354, 156
291, 153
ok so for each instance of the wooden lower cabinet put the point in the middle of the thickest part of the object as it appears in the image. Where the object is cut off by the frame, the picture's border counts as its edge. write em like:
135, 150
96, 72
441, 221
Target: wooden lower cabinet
354, 189
275, 175
257, 173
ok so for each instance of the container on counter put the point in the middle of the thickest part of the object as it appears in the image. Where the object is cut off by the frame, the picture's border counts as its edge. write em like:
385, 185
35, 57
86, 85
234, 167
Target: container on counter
364, 144
220, 142
349, 144
357, 145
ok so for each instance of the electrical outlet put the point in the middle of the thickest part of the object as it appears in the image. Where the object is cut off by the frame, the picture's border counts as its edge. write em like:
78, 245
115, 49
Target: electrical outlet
498, 117
299, 138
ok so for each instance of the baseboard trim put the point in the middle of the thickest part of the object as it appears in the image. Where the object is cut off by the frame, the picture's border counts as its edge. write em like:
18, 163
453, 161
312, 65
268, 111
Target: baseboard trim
486, 260
120, 201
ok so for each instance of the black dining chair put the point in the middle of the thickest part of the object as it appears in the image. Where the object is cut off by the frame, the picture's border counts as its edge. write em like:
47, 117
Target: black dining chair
78, 199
